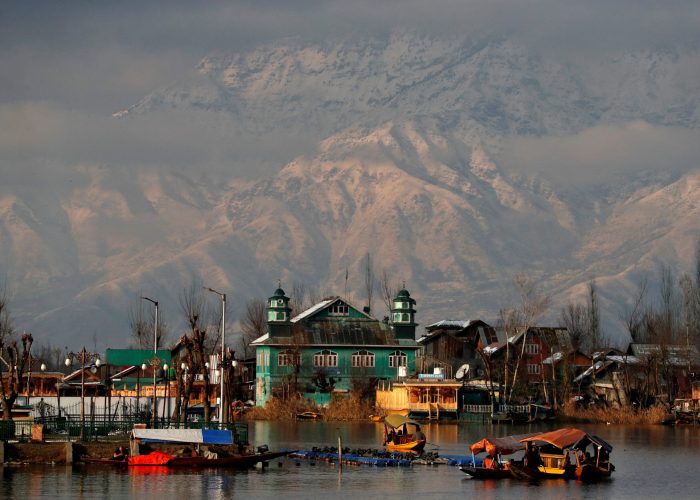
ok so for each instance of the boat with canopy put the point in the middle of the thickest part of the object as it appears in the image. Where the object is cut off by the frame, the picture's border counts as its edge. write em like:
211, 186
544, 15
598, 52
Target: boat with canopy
563, 454
197, 455
492, 465
403, 434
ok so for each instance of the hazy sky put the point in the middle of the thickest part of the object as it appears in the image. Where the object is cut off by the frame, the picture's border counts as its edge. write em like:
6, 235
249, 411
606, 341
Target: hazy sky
66, 66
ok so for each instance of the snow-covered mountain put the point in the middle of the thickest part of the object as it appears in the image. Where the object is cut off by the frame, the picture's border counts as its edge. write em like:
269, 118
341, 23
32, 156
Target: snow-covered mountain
406, 166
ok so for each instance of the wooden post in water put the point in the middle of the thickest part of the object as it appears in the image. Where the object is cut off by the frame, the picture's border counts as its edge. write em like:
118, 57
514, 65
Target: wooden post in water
340, 451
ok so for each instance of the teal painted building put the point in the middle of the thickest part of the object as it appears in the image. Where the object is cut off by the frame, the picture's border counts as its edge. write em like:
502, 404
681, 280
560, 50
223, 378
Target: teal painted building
332, 347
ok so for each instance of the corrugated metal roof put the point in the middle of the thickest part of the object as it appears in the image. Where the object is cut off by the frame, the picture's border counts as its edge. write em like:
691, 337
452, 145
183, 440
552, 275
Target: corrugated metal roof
314, 309
451, 323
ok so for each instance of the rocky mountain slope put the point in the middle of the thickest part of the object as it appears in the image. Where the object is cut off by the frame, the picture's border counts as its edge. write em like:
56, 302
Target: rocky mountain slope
406, 167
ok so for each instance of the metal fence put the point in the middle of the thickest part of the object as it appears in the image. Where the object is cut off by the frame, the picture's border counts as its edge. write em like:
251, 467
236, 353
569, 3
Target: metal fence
104, 429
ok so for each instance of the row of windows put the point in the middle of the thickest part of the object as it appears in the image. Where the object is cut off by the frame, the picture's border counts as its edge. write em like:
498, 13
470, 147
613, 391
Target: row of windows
533, 369
532, 348
327, 358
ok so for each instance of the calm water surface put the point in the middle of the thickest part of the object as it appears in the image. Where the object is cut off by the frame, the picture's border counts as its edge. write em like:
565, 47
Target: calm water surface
652, 462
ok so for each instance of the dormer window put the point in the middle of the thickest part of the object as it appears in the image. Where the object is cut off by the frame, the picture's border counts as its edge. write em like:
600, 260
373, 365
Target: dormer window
281, 316
338, 309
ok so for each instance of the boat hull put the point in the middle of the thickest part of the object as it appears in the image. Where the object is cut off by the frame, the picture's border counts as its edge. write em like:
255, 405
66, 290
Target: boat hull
411, 446
233, 462
523, 472
589, 473
484, 473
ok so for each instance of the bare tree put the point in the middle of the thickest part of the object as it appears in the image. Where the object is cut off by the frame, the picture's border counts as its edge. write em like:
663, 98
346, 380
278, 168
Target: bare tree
253, 324
593, 333
369, 281
634, 315
573, 317
197, 348
16, 364
388, 288
533, 305
142, 325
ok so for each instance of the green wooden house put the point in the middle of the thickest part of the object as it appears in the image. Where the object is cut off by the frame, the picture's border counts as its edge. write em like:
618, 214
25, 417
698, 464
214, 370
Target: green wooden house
332, 347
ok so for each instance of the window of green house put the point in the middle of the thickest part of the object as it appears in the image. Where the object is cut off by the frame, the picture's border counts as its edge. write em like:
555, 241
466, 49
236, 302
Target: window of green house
325, 358
288, 358
398, 358
362, 359
338, 309
263, 359
281, 316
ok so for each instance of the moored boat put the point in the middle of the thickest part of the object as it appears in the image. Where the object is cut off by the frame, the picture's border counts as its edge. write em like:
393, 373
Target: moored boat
562, 454
196, 458
492, 465
403, 434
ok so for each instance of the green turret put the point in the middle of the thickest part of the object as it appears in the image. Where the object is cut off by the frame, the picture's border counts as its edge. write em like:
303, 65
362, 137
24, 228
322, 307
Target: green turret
403, 315
279, 315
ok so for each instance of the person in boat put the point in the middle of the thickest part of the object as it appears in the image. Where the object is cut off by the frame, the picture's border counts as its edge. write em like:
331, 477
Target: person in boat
532, 457
491, 462
419, 435
119, 454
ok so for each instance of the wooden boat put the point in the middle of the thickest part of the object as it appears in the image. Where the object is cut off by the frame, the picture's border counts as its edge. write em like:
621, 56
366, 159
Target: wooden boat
556, 450
493, 466
402, 434
194, 437
309, 415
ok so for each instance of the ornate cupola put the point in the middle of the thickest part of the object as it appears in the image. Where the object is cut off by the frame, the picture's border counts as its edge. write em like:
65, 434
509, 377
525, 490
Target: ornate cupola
403, 315
279, 314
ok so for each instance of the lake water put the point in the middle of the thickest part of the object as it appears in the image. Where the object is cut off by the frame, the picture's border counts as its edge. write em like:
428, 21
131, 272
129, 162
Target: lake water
651, 462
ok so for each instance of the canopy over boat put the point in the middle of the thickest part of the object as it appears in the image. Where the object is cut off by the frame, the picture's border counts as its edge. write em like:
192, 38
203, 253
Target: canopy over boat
505, 445
568, 437
395, 421
201, 436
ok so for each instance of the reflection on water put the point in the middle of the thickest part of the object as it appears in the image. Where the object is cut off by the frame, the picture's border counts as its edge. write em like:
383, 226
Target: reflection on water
652, 462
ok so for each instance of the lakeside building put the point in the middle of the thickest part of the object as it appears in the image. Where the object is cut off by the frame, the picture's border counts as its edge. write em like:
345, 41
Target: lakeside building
332, 347
452, 344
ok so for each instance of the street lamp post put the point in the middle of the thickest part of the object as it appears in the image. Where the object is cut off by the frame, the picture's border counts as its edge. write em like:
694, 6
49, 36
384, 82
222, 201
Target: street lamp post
84, 356
154, 361
166, 384
223, 417
138, 388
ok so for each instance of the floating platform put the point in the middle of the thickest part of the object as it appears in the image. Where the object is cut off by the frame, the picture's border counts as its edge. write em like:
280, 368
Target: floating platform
381, 458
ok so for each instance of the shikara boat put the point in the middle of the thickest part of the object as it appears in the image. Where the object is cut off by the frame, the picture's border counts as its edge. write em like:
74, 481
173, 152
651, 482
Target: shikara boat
562, 454
403, 434
493, 466
191, 437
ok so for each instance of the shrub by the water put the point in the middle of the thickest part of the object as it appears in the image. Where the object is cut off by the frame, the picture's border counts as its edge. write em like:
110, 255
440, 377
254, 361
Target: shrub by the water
622, 415
277, 409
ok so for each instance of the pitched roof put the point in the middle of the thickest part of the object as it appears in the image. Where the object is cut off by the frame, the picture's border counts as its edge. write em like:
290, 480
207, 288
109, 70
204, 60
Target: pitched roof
350, 333
327, 302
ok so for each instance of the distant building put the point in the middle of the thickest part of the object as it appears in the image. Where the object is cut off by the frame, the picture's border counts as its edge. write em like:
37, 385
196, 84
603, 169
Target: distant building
451, 344
332, 348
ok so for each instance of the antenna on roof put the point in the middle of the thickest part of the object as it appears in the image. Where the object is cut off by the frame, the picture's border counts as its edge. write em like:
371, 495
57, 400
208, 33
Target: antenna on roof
345, 297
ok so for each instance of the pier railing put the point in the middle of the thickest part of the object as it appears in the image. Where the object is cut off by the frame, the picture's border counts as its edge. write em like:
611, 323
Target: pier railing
104, 429
495, 409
